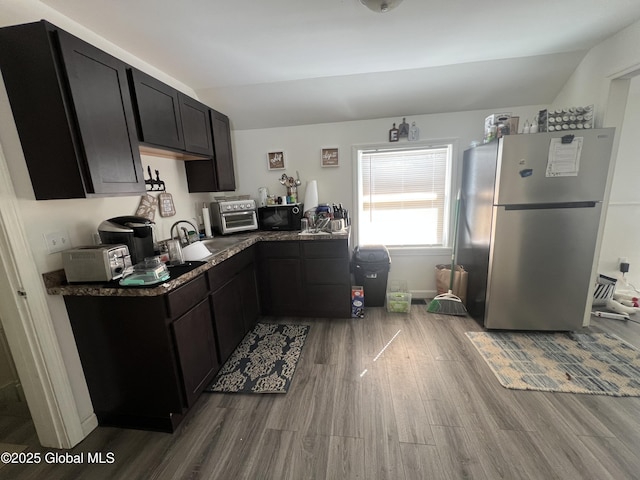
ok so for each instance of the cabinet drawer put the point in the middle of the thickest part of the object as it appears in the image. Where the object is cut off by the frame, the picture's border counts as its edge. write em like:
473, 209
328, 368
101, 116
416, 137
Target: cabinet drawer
326, 271
325, 249
281, 249
186, 296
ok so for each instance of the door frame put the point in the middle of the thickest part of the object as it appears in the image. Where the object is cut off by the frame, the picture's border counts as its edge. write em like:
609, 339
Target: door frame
30, 333
617, 89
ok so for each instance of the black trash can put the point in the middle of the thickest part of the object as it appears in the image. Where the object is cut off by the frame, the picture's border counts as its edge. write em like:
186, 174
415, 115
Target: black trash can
371, 264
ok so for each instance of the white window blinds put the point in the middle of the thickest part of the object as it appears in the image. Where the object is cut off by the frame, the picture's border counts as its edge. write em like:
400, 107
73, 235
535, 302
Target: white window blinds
402, 196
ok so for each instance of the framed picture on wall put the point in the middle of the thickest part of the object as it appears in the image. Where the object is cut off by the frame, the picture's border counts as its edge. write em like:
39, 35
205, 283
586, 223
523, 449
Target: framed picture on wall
275, 160
329, 157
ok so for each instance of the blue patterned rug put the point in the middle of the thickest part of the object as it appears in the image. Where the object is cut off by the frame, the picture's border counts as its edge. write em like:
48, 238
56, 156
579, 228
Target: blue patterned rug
595, 363
264, 362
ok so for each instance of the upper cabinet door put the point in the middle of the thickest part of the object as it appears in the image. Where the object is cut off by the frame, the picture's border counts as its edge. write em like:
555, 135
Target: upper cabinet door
196, 126
226, 178
216, 174
157, 111
73, 112
102, 104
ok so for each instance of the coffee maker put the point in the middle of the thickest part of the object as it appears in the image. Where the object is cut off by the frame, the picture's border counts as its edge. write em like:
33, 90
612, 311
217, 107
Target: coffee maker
135, 232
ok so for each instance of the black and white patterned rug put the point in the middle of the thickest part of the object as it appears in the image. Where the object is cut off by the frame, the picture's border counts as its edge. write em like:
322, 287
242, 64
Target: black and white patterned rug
595, 363
264, 362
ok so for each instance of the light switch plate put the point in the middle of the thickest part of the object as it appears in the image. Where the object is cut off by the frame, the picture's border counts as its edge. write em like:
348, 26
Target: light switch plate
57, 241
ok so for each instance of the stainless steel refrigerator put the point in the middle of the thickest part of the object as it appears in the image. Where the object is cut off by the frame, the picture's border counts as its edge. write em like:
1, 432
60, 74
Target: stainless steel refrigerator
531, 219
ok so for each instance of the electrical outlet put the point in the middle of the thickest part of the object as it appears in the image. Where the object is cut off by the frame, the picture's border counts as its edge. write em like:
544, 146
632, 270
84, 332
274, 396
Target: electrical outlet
57, 241
623, 264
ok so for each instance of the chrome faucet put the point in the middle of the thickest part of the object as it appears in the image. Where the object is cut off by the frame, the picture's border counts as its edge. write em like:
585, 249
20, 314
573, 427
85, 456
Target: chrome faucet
186, 241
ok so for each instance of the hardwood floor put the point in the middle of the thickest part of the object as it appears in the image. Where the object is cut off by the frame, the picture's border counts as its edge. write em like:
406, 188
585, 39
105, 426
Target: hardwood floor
389, 396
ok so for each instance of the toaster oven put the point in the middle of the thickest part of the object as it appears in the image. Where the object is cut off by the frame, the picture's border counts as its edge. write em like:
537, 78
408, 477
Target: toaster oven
95, 263
232, 216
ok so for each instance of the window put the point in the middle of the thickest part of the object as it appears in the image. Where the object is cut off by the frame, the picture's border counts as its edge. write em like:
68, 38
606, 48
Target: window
403, 195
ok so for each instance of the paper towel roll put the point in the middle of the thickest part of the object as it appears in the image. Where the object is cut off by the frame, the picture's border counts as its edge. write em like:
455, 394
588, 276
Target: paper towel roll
311, 196
207, 222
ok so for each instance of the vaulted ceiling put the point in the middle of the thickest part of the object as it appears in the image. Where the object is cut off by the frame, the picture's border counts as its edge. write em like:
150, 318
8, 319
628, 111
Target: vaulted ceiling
292, 62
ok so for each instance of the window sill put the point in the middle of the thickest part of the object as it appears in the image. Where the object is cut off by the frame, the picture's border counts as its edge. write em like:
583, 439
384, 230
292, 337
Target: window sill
419, 251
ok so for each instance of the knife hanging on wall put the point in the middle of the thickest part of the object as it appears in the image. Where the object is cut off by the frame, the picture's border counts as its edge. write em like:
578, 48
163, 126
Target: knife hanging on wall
154, 185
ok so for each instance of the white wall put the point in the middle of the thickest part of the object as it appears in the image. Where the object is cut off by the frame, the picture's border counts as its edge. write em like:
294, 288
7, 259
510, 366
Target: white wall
622, 226
593, 81
607, 60
302, 145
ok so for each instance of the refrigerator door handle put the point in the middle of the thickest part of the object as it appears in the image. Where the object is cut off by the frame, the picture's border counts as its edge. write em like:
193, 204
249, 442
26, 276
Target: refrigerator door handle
549, 206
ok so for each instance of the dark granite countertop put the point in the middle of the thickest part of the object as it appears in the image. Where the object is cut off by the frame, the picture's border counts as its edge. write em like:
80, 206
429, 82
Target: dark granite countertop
56, 282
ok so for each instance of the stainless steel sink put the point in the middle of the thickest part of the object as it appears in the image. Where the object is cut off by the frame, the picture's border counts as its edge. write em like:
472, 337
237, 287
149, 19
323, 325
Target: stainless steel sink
176, 270
218, 244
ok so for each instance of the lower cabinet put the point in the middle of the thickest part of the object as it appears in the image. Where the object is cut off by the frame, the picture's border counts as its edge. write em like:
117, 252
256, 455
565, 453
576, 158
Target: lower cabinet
130, 359
227, 314
308, 278
280, 268
196, 349
234, 300
248, 284
326, 277
146, 359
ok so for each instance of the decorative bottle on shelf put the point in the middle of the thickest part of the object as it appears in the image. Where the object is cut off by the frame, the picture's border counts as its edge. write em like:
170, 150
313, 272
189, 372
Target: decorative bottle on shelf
534, 126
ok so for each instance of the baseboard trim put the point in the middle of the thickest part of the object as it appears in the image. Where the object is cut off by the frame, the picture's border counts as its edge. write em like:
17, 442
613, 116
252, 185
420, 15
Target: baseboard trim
89, 425
423, 293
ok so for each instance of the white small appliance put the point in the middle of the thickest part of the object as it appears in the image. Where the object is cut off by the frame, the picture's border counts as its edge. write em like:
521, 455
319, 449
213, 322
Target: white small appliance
232, 216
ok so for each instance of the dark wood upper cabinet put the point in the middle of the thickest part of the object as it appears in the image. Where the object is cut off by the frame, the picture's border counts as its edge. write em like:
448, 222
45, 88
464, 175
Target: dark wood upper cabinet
169, 118
223, 154
196, 126
215, 174
157, 108
73, 113
82, 114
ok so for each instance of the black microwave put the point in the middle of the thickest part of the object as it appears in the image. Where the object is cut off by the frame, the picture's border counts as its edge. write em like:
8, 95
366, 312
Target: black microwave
280, 217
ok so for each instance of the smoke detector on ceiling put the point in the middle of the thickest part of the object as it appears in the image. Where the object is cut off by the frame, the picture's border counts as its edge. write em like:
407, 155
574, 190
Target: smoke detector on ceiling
381, 6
